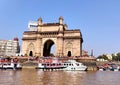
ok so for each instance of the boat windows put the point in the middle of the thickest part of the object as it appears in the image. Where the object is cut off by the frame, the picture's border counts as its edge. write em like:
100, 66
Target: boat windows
43, 64
59, 63
77, 64
53, 64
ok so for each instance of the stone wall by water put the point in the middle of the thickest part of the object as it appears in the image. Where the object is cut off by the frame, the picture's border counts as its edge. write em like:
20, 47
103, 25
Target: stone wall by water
91, 64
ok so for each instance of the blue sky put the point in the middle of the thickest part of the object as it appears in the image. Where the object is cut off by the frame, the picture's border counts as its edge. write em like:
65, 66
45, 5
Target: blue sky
98, 20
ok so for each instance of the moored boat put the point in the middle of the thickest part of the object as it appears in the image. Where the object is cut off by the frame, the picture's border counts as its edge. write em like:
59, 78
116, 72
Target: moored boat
109, 67
73, 65
49, 64
10, 64
115, 67
100, 68
54, 64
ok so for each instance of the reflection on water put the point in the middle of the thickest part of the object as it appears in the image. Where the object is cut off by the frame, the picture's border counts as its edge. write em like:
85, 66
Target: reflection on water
60, 77
37, 77
101, 78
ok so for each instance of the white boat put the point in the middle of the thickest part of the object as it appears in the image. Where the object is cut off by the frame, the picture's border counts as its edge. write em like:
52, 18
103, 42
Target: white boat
52, 64
73, 65
115, 67
10, 65
100, 68
109, 67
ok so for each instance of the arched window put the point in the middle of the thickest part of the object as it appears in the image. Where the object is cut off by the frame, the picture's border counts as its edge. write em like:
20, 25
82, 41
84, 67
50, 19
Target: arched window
68, 49
31, 50
31, 53
69, 53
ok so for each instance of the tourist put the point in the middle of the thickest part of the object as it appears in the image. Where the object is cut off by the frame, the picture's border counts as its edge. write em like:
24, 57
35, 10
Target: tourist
15, 61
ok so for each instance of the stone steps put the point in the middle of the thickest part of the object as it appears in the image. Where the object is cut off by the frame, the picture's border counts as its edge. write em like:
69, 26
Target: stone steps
29, 63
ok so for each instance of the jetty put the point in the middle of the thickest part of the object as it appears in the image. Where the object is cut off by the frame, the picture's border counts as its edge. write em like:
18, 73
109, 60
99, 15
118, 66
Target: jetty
32, 62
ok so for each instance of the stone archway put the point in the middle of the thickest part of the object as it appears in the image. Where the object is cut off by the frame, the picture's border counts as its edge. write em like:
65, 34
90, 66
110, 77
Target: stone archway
43, 35
47, 47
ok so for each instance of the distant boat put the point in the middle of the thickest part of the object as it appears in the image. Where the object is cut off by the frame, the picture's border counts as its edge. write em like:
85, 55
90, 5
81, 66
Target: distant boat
5, 64
114, 67
10, 66
109, 67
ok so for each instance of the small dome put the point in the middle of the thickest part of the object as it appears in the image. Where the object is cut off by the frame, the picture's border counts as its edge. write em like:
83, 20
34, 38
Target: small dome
60, 17
40, 19
16, 39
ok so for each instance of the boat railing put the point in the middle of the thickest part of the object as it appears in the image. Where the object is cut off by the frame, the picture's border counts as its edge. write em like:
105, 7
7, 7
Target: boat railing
52, 64
3, 62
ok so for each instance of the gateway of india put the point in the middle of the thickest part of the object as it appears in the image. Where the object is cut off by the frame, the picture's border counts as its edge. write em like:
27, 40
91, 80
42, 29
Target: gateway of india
40, 37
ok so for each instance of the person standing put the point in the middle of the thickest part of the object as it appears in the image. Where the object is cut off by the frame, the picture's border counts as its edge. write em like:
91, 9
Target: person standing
15, 61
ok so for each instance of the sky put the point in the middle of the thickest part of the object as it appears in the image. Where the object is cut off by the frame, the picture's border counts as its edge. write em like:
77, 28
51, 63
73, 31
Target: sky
98, 20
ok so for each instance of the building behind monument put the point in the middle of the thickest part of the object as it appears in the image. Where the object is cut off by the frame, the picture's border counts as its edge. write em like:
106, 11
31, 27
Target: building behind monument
9, 47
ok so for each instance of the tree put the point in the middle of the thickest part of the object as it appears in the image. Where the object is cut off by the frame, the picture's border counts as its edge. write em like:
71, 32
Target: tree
116, 57
103, 57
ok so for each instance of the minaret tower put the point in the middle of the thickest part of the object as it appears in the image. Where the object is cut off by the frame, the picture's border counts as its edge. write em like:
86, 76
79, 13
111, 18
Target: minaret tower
40, 24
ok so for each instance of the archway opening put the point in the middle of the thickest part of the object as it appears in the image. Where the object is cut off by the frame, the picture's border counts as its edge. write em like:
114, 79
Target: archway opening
31, 53
69, 53
52, 51
48, 48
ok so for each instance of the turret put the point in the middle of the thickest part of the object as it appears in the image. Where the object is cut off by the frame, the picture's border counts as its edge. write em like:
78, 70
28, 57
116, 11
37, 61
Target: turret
39, 21
61, 20
40, 24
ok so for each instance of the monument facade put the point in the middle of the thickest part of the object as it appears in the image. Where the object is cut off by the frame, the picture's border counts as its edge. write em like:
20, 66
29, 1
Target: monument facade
40, 37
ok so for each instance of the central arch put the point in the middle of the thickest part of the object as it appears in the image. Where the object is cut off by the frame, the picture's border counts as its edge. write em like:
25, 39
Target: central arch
47, 48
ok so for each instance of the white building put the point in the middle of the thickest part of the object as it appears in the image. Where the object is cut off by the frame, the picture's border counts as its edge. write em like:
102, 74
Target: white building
109, 56
9, 47
32, 26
